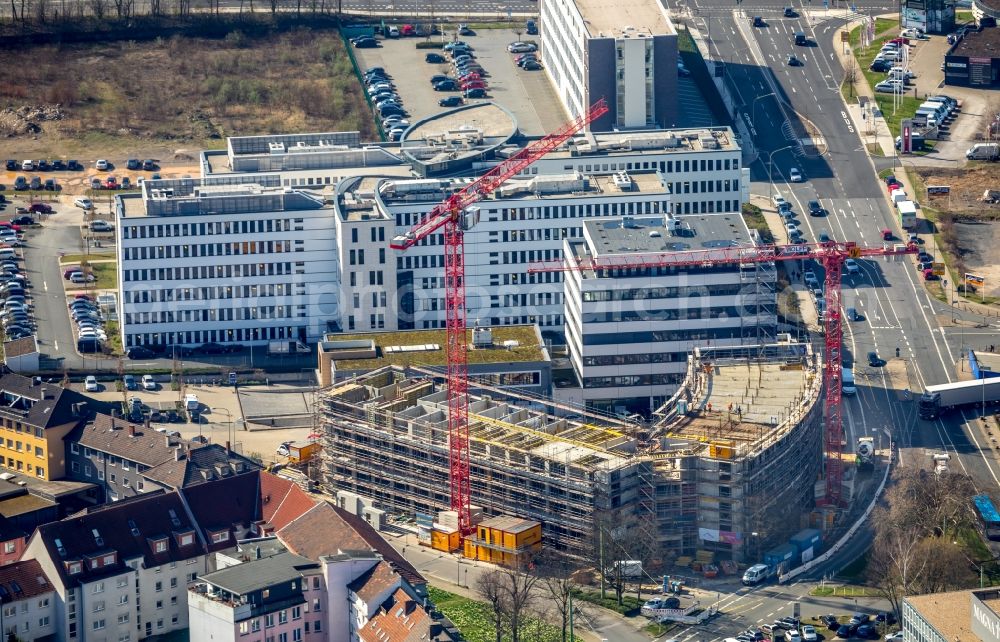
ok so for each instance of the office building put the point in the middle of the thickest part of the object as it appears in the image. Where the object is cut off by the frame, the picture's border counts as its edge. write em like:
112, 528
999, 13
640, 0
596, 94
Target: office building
630, 331
967, 615
625, 52
224, 260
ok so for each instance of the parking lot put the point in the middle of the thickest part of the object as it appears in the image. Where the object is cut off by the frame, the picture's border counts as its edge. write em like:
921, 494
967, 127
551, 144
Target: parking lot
527, 94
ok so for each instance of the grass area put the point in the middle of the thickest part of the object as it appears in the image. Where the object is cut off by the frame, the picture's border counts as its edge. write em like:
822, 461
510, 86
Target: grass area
527, 349
217, 87
76, 259
114, 342
472, 618
754, 219
843, 590
629, 602
655, 629
106, 273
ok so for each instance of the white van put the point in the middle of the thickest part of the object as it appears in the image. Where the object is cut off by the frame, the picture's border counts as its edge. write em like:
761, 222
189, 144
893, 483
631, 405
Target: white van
847, 386
191, 403
756, 574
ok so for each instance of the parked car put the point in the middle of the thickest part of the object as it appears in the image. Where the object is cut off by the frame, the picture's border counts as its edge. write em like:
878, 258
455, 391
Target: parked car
132, 163
129, 382
434, 58
475, 93
521, 47
101, 164
446, 85
73, 165
148, 383
531, 65
450, 101
36, 183
90, 384
40, 208
531, 28
140, 352
148, 165
875, 362
794, 175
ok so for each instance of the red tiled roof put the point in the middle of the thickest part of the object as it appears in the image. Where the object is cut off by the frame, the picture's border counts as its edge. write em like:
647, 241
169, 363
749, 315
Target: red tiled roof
321, 531
374, 582
272, 491
400, 619
22, 580
294, 504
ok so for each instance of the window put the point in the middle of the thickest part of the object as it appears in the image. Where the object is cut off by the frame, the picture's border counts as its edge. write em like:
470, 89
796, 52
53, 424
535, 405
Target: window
160, 545
159, 587
122, 582
244, 628
159, 604
221, 536
296, 612
98, 606
317, 625
124, 637
159, 624
10, 611
173, 582
297, 635
43, 621
43, 603
123, 599
269, 620
98, 625
255, 625
74, 448
123, 618
97, 587
9, 547
282, 617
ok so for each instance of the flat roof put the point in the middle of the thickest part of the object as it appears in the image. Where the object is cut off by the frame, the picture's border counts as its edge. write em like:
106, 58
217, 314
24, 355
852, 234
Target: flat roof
949, 613
488, 119
610, 18
530, 348
677, 140
233, 195
979, 44
651, 235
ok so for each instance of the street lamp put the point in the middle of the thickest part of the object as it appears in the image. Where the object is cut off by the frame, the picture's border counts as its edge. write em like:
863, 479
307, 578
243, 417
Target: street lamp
230, 415
753, 109
770, 165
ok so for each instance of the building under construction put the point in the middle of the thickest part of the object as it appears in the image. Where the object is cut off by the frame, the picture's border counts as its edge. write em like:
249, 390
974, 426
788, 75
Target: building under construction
728, 466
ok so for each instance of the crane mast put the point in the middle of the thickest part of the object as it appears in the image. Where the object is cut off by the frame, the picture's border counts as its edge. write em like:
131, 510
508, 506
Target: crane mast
831, 255
453, 216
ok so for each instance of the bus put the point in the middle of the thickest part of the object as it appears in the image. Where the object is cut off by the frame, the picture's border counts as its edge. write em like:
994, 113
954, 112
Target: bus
988, 515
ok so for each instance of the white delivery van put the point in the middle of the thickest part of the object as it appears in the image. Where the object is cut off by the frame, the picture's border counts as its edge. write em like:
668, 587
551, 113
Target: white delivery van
847, 382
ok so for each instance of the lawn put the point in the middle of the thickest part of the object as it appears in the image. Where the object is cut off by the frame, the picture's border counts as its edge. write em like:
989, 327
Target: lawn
107, 275
472, 618
629, 602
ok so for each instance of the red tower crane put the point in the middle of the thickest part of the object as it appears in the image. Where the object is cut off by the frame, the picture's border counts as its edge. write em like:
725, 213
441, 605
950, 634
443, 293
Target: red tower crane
451, 215
831, 255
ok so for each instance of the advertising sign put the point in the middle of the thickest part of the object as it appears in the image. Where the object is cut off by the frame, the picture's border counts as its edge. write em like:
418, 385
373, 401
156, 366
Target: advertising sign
906, 146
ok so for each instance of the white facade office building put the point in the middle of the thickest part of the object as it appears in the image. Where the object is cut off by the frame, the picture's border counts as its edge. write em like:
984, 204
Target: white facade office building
229, 259
629, 332
625, 52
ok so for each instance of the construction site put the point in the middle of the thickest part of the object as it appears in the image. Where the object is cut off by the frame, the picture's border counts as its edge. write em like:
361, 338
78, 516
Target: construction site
726, 468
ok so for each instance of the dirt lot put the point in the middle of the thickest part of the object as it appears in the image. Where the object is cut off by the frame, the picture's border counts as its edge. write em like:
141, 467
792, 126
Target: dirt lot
967, 226
167, 98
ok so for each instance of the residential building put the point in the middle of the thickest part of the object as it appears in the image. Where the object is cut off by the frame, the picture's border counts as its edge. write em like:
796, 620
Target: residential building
21, 512
27, 600
21, 355
225, 259
34, 418
120, 571
126, 459
625, 52
630, 331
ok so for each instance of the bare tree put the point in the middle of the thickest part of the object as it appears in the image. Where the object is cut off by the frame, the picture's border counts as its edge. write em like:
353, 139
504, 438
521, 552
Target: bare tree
851, 75
617, 540
520, 584
274, 6
895, 563
556, 586
947, 567
490, 587
98, 8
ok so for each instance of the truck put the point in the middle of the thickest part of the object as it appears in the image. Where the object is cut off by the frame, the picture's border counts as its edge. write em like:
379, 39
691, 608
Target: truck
287, 347
847, 381
629, 568
907, 215
944, 397
758, 573
984, 151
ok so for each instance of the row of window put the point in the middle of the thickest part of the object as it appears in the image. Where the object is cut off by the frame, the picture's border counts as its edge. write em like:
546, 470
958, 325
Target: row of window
213, 271
659, 336
17, 426
88, 472
686, 313
638, 294
18, 465
10, 610
13, 630
262, 312
16, 445
164, 295
210, 249
208, 229
634, 359
198, 337
633, 380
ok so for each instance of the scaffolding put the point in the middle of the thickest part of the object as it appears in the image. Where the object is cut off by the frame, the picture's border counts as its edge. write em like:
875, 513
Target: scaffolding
698, 473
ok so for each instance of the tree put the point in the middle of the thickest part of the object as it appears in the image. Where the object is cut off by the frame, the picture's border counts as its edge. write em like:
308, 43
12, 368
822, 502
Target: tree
555, 585
489, 586
520, 583
617, 538
851, 75
895, 562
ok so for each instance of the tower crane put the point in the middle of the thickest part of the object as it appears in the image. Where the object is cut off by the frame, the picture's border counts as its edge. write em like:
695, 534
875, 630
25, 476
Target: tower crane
454, 217
831, 255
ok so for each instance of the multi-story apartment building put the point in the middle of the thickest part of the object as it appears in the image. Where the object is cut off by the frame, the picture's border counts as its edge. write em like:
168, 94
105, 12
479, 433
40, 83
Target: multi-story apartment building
27, 600
120, 571
125, 459
225, 259
352, 596
625, 52
34, 418
630, 331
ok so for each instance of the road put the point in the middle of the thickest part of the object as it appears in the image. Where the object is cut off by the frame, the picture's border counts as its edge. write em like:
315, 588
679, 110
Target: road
784, 106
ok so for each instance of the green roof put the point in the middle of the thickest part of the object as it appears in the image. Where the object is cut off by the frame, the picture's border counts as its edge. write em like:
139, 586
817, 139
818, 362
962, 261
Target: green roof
529, 347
